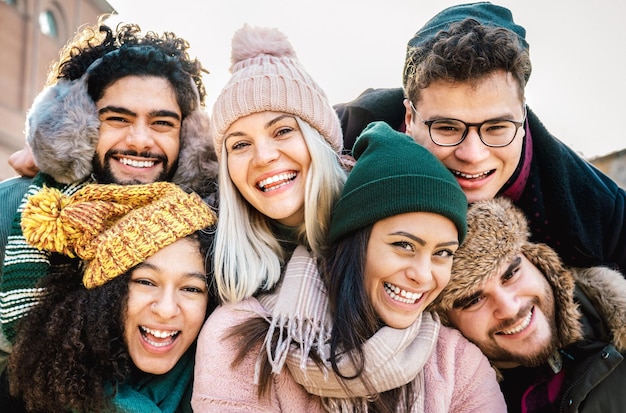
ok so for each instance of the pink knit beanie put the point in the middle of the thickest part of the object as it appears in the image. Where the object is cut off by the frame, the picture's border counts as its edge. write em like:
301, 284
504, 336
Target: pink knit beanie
266, 76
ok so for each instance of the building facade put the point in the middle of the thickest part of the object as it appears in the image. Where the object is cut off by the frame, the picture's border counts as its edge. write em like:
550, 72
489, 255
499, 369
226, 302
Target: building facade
32, 32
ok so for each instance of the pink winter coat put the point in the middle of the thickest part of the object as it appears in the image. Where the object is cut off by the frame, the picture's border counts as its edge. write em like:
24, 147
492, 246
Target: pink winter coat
458, 377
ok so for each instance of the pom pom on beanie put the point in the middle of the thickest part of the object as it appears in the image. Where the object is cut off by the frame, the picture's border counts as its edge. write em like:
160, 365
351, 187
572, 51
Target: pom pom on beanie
113, 227
266, 76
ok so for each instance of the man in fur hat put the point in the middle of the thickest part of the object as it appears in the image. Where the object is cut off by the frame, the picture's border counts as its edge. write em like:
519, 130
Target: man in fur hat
120, 107
556, 335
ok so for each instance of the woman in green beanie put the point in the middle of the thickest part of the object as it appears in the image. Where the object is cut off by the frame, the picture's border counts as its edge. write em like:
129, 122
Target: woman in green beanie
348, 332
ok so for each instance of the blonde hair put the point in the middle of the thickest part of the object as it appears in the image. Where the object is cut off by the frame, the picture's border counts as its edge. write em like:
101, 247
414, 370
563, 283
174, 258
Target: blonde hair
247, 256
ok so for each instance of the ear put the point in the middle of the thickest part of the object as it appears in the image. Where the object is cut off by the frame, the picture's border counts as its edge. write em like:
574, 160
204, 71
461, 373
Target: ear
408, 116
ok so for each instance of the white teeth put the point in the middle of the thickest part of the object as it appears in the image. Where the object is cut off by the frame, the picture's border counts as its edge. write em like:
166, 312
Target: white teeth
521, 327
159, 333
276, 178
468, 176
136, 164
400, 295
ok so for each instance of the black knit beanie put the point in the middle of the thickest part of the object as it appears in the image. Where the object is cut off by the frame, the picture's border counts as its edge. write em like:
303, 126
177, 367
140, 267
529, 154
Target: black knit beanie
484, 12
394, 175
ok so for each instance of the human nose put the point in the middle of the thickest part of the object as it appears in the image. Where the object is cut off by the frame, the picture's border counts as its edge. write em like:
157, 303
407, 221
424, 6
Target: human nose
419, 271
140, 137
472, 149
506, 304
265, 152
165, 305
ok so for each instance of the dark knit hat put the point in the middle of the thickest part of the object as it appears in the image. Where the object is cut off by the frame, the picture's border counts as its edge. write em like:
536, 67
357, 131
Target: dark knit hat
394, 175
484, 12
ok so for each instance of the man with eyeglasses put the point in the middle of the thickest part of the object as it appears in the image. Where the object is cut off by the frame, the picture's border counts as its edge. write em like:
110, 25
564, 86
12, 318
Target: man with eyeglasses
463, 99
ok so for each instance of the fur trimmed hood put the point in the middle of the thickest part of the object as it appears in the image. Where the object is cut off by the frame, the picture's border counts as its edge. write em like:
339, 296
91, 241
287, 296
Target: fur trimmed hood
62, 131
606, 288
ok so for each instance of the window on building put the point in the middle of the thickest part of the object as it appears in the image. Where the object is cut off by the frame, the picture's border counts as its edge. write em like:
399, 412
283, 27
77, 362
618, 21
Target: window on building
48, 24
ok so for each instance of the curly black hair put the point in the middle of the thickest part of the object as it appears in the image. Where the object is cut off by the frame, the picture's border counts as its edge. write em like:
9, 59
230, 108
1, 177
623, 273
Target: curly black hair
126, 51
70, 351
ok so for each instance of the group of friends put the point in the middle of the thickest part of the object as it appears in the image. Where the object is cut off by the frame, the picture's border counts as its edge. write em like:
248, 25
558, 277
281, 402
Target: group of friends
429, 248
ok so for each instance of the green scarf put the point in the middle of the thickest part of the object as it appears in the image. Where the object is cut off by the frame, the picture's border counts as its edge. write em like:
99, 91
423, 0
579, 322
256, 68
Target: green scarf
24, 266
165, 393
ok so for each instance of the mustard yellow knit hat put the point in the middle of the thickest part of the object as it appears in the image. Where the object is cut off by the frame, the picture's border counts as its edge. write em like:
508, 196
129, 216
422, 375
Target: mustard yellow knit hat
113, 227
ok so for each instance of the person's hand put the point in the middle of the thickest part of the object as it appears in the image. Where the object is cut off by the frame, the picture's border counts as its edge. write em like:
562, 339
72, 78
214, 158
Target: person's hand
23, 162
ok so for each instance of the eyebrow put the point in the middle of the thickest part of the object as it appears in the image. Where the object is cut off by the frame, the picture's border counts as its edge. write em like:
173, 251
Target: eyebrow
152, 114
421, 241
512, 266
194, 274
464, 301
267, 125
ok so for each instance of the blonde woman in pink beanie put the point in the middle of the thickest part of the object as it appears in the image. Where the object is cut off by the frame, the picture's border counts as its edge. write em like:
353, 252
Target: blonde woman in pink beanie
348, 332
278, 141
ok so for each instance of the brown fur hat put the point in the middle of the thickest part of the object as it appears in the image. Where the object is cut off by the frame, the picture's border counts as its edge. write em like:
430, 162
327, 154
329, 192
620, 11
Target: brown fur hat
498, 231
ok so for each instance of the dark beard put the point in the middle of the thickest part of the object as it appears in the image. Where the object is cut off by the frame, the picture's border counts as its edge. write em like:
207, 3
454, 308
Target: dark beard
497, 354
103, 174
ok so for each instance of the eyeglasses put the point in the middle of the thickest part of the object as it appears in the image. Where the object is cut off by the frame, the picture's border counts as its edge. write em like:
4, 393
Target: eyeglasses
451, 132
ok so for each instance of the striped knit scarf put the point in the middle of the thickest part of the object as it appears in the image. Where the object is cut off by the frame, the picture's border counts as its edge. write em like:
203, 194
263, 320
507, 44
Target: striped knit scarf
25, 265
299, 309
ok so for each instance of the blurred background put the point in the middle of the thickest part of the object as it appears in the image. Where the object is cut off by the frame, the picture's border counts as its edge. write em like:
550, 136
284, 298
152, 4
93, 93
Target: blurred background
577, 49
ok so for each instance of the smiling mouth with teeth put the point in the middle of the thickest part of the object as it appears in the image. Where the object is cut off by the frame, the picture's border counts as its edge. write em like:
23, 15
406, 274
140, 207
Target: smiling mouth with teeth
276, 181
400, 295
136, 164
158, 338
473, 176
520, 327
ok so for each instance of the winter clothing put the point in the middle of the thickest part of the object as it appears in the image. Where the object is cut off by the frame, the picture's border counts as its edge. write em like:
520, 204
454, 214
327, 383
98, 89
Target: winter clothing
587, 373
484, 12
62, 130
11, 192
457, 377
569, 204
593, 368
299, 309
24, 265
112, 227
266, 76
163, 393
497, 232
392, 167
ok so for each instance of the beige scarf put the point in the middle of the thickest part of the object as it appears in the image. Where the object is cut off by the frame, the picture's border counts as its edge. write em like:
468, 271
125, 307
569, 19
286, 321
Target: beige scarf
299, 308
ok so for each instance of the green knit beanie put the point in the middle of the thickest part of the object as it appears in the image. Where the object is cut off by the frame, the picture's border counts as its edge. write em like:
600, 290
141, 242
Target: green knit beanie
394, 175
485, 13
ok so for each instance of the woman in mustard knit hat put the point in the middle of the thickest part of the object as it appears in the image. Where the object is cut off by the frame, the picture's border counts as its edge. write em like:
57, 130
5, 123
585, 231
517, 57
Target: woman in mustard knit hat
278, 142
354, 335
118, 331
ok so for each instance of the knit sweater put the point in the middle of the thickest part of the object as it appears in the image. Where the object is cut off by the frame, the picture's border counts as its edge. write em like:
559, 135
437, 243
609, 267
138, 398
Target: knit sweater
458, 377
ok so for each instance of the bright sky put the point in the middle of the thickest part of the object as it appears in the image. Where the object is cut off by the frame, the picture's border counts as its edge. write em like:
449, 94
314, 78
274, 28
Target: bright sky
577, 48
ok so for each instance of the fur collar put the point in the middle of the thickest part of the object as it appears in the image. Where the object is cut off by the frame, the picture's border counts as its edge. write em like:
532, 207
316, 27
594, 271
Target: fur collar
62, 130
606, 289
